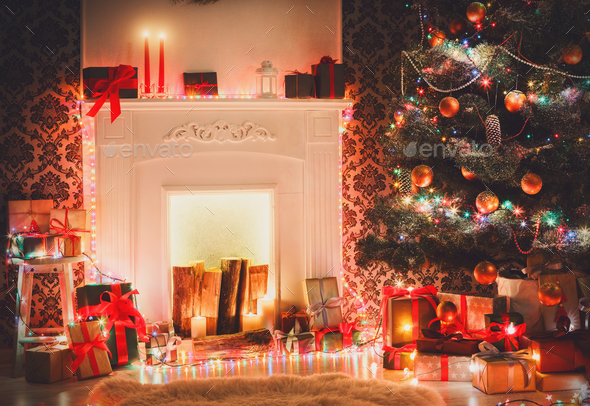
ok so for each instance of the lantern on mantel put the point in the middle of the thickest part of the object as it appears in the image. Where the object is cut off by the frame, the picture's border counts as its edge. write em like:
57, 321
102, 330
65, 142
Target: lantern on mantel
266, 80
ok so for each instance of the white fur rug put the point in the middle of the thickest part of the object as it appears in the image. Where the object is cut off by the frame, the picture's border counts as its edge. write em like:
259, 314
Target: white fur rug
276, 390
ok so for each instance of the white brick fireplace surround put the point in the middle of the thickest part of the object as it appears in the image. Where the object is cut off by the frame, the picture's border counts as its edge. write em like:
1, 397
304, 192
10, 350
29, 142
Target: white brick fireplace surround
287, 148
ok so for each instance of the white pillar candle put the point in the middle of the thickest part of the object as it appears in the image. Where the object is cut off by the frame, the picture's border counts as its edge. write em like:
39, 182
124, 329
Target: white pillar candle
266, 310
198, 326
250, 322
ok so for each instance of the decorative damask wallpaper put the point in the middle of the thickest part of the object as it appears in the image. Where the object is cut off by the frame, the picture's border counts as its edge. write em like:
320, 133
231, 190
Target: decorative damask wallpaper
374, 34
40, 144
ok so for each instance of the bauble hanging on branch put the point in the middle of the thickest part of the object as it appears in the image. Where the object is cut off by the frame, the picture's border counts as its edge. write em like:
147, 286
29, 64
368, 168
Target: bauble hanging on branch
531, 183
572, 54
446, 311
422, 175
468, 174
398, 116
436, 38
485, 273
449, 106
487, 202
476, 12
514, 101
550, 294
458, 26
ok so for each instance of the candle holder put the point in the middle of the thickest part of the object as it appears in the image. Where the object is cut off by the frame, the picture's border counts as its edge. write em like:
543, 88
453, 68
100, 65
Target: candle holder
162, 92
147, 92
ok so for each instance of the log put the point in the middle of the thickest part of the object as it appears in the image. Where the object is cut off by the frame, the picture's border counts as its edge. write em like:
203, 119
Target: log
230, 280
182, 305
246, 344
211, 287
243, 300
198, 271
258, 284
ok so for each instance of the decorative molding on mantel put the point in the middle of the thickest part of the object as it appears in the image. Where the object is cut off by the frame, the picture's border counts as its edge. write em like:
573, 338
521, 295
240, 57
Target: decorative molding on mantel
219, 131
196, 105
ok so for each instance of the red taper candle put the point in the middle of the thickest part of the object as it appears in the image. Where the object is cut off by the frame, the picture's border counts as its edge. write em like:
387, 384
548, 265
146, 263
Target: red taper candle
161, 72
146, 63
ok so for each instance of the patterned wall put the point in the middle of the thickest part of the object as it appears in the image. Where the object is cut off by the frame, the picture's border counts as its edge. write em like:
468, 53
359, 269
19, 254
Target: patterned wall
40, 146
374, 34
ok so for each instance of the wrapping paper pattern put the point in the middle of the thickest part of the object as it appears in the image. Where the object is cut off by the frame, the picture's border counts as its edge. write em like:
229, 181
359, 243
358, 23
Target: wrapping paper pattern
476, 306
437, 367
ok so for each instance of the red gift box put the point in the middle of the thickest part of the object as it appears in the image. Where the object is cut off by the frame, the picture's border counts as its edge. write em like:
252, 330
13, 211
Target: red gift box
110, 83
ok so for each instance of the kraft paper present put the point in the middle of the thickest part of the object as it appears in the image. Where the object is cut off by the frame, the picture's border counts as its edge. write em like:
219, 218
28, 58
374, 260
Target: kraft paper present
22, 212
491, 374
442, 367
322, 293
522, 298
476, 305
568, 284
48, 364
68, 246
76, 219
555, 354
399, 331
559, 381
87, 369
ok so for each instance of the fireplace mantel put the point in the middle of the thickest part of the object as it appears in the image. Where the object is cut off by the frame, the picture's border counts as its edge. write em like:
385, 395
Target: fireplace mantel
288, 146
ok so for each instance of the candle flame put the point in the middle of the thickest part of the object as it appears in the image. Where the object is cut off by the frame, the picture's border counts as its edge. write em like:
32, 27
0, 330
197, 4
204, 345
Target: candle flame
407, 327
145, 33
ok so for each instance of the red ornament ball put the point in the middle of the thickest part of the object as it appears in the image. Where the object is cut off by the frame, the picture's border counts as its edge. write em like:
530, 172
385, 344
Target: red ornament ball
514, 101
476, 12
468, 174
446, 311
458, 26
422, 175
487, 202
398, 116
531, 183
449, 106
550, 294
436, 38
485, 273
572, 54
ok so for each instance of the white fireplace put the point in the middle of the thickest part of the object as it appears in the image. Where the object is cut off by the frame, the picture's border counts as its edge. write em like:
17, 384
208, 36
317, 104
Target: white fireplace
276, 161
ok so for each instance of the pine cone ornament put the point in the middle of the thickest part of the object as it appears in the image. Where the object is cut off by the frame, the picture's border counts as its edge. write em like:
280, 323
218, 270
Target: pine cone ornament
405, 182
493, 132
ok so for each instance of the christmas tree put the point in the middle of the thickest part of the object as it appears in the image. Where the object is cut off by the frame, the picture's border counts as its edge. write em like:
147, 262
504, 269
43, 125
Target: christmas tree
489, 141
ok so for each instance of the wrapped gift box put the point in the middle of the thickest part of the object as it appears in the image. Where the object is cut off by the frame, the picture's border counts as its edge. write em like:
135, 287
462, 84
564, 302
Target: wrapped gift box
554, 354
300, 86
21, 213
89, 361
300, 343
559, 381
70, 219
398, 359
331, 340
522, 298
68, 246
472, 307
200, 84
399, 328
122, 341
329, 80
128, 88
159, 327
156, 349
288, 320
29, 246
442, 367
584, 302
447, 345
48, 364
506, 340
324, 301
490, 373
568, 283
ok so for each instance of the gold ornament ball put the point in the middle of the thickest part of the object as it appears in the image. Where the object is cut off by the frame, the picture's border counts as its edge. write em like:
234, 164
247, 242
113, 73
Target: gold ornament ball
487, 202
572, 54
398, 116
446, 311
476, 12
550, 294
485, 273
468, 174
437, 38
458, 26
531, 183
422, 175
449, 106
514, 101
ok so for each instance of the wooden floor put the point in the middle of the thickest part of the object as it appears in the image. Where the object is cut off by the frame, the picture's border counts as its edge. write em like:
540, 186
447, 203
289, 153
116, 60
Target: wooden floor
19, 392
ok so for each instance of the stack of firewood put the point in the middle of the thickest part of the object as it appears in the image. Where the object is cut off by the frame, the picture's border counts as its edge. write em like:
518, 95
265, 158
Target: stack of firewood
221, 295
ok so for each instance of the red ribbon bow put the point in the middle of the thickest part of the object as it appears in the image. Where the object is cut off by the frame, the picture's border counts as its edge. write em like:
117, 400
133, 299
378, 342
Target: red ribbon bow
508, 332
395, 353
109, 89
427, 292
346, 330
83, 349
328, 59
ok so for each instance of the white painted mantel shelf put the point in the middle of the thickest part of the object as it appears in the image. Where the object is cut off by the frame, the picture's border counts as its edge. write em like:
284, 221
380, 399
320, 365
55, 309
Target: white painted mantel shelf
289, 147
